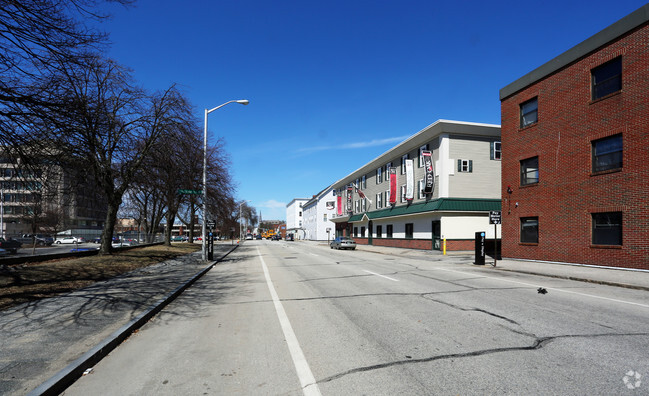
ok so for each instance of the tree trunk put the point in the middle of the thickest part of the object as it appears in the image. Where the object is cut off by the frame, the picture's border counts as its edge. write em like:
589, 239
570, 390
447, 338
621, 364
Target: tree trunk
109, 227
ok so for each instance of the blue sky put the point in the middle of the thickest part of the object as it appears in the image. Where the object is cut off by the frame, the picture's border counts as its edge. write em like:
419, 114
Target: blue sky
334, 84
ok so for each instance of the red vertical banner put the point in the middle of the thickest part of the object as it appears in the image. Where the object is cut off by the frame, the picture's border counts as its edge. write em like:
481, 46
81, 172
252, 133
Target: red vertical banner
393, 185
339, 204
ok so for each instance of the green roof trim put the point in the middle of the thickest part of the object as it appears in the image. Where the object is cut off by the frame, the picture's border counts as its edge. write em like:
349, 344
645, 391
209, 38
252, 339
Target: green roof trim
437, 205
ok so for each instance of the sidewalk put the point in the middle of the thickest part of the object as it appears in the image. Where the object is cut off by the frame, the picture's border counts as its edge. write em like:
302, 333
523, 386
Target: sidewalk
45, 343
634, 279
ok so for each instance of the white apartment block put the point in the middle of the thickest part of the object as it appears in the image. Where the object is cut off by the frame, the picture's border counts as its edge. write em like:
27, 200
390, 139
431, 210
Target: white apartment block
318, 212
295, 217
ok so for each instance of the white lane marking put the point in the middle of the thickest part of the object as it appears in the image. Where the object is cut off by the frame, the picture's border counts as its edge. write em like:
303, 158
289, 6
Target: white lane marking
548, 288
309, 385
382, 276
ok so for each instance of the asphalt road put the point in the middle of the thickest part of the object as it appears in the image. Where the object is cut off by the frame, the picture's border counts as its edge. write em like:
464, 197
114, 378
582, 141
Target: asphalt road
295, 318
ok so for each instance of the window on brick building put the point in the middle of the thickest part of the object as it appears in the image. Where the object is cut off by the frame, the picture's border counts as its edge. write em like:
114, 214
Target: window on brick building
607, 228
355, 231
529, 171
389, 231
409, 230
379, 231
529, 230
607, 153
529, 112
606, 79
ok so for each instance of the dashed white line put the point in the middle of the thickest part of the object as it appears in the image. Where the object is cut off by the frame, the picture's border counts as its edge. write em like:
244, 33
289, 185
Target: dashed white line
307, 380
382, 276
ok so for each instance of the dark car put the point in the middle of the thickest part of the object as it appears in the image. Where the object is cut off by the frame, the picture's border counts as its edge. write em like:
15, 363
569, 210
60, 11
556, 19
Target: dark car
290, 237
258, 236
10, 245
277, 237
343, 243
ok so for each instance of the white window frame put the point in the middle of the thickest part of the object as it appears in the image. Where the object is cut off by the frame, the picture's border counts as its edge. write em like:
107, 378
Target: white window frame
421, 156
421, 189
379, 201
387, 198
387, 171
403, 193
496, 155
379, 176
403, 163
363, 182
462, 164
364, 205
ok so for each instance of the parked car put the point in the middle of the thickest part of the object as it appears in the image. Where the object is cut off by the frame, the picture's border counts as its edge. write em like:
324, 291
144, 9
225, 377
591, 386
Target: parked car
40, 239
259, 237
70, 239
4, 252
10, 245
290, 237
343, 243
277, 237
177, 238
249, 237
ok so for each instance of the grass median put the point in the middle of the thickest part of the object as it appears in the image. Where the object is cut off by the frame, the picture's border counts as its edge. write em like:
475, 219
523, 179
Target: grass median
34, 281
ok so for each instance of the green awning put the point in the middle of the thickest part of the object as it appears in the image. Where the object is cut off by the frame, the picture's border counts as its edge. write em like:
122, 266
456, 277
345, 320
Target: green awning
437, 205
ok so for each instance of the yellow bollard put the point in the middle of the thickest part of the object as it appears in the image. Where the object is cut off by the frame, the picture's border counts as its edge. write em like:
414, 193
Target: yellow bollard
444, 246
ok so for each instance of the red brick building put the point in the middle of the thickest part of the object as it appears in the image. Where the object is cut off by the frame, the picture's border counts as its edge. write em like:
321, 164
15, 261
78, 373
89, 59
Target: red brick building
575, 163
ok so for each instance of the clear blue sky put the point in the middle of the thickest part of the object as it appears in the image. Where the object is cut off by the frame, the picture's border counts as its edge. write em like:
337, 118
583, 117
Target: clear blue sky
334, 84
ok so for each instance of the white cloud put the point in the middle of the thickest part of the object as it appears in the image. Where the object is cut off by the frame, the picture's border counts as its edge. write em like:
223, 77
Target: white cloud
272, 204
357, 145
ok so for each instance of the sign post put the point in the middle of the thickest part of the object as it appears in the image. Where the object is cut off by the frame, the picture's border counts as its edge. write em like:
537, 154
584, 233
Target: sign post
495, 218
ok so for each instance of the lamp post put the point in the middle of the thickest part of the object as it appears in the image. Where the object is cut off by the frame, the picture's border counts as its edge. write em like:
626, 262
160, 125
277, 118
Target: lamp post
204, 246
241, 221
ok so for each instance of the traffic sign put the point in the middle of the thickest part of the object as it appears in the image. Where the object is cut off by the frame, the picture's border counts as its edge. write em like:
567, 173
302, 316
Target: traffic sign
190, 192
210, 224
495, 217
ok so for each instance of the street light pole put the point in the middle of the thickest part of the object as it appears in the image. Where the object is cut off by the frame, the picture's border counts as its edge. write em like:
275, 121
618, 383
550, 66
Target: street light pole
241, 221
204, 246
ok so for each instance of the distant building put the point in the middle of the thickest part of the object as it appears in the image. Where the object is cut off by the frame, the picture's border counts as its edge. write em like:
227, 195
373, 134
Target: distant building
294, 217
48, 199
465, 175
576, 135
318, 212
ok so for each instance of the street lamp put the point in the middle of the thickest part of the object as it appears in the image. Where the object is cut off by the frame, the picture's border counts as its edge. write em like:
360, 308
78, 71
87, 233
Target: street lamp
241, 221
204, 247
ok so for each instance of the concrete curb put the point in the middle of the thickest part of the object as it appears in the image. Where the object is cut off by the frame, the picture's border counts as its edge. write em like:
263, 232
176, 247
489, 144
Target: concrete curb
66, 377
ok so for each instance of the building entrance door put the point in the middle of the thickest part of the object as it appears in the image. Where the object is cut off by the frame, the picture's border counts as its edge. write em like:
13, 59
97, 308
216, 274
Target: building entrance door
436, 234
369, 232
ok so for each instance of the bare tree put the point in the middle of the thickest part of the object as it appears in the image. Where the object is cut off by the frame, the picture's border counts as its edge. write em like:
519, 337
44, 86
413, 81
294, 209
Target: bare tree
109, 128
35, 37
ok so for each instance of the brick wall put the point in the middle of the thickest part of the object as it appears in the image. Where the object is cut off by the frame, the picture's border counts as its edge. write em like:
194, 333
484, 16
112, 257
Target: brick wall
568, 191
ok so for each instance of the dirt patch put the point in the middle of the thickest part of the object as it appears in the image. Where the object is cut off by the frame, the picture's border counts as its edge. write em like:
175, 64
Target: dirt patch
29, 282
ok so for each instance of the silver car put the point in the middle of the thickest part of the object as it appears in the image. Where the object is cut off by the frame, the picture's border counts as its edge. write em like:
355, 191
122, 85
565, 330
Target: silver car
343, 243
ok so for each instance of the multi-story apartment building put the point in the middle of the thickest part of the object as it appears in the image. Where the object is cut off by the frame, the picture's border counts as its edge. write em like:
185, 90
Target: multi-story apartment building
48, 199
318, 212
463, 178
576, 138
295, 218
